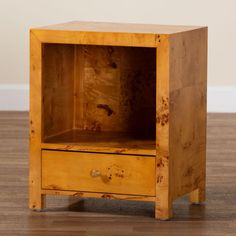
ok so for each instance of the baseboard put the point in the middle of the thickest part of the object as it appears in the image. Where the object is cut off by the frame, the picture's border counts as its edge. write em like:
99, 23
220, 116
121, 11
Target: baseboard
16, 98
221, 99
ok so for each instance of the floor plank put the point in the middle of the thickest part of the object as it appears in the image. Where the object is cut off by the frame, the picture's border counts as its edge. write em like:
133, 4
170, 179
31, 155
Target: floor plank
71, 216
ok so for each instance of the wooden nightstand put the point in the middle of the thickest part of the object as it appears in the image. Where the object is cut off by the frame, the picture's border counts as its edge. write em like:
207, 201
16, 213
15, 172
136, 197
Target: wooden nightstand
118, 111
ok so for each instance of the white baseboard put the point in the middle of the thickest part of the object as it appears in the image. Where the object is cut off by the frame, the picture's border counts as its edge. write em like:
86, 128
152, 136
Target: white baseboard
16, 98
221, 99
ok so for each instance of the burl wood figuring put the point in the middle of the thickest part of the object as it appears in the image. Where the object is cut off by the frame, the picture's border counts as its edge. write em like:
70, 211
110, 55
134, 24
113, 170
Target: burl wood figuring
118, 111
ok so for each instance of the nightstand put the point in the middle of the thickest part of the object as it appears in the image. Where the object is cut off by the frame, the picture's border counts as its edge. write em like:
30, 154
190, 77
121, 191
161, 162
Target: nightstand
118, 111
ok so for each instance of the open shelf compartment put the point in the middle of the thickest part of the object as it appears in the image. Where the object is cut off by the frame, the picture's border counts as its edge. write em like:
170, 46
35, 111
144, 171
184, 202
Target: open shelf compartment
99, 98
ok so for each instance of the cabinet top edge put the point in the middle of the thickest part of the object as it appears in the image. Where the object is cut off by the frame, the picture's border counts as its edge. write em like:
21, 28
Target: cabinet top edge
108, 27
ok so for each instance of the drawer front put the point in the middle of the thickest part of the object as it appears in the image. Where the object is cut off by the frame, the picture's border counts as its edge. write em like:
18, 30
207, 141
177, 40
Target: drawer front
110, 173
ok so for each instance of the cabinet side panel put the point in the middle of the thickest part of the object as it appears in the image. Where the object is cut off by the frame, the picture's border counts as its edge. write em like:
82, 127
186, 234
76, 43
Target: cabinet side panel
188, 82
58, 85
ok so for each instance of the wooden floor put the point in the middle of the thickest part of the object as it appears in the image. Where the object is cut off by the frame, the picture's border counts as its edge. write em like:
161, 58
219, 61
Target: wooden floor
71, 216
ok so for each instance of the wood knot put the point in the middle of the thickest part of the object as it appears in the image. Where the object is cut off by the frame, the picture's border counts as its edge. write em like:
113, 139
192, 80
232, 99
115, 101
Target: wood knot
160, 163
159, 178
162, 117
107, 108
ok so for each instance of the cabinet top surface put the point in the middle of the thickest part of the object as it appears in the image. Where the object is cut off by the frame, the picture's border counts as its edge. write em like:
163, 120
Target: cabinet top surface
119, 27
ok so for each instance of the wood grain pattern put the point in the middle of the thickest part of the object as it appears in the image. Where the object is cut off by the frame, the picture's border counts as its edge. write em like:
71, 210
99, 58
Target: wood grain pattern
58, 88
106, 142
112, 34
96, 38
181, 118
108, 196
90, 172
115, 89
36, 199
119, 27
163, 161
188, 111
99, 89
107, 81
66, 215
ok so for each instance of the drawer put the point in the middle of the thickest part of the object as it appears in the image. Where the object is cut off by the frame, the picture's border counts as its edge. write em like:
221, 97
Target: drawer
95, 172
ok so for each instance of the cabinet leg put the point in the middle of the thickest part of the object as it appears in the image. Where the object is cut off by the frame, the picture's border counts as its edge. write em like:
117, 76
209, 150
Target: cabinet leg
37, 201
197, 196
163, 209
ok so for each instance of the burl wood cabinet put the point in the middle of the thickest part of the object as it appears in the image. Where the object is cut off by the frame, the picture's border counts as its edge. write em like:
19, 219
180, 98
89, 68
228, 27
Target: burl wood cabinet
118, 111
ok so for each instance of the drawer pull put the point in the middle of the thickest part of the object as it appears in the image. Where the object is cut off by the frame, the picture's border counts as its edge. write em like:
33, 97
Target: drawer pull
95, 173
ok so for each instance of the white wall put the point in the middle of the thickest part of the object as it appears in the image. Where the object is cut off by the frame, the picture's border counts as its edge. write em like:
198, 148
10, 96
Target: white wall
17, 16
